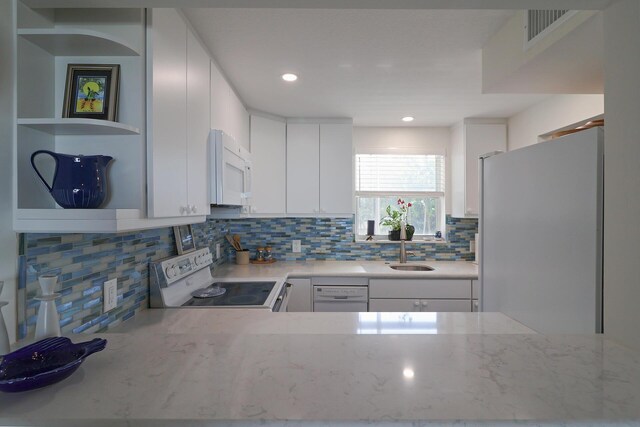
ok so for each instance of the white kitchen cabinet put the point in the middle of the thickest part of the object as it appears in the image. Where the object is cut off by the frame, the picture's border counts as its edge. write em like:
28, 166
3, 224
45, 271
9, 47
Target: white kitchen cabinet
303, 168
300, 298
319, 169
198, 125
178, 128
227, 111
470, 140
336, 168
268, 150
420, 295
419, 305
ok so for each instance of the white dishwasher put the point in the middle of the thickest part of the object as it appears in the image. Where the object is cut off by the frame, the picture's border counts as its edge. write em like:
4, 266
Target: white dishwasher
340, 298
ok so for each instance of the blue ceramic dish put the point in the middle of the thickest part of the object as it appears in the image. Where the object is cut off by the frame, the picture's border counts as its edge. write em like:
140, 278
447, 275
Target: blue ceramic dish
44, 363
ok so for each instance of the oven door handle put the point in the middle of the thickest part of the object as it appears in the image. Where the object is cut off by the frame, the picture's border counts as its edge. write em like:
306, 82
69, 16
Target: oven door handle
283, 299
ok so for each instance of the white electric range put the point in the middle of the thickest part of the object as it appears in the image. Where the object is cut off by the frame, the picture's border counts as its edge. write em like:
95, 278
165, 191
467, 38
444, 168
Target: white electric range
185, 281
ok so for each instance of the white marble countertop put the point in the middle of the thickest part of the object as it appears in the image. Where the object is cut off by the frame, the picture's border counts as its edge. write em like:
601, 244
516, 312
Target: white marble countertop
195, 367
374, 269
243, 321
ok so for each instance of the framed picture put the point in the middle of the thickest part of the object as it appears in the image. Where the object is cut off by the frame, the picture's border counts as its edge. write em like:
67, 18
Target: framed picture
91, 92
185, 241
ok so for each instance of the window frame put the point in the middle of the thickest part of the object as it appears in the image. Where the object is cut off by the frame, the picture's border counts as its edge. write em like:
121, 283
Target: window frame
405, 195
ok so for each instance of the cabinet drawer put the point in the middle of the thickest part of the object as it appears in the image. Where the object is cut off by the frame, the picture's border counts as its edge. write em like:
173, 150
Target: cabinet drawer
419, 288
393, 304
421, 305
475, 289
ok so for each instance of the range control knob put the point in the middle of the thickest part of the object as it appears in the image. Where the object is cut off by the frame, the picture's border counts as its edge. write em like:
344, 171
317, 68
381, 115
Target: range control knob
171, 272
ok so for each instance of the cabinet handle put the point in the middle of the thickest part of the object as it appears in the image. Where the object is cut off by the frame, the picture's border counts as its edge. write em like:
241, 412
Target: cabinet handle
416, 303
424, 303
194, 209
183, 210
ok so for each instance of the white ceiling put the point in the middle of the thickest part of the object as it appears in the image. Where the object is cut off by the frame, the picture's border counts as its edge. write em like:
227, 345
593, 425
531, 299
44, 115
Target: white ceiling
375, 66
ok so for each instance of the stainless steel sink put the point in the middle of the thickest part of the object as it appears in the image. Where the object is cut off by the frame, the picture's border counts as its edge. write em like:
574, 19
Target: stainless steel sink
412, 267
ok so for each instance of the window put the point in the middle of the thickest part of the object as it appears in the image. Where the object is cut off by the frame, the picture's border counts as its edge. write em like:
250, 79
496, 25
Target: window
381, 179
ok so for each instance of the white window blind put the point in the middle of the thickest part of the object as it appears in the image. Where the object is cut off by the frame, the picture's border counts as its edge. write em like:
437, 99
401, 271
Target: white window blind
402, 173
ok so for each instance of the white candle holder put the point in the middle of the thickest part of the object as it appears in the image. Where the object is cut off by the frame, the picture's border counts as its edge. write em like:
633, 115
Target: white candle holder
48, 323
5, 346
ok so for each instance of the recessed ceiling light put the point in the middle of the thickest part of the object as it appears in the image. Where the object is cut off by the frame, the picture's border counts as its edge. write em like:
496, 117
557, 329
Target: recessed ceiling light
407, 119
289, 77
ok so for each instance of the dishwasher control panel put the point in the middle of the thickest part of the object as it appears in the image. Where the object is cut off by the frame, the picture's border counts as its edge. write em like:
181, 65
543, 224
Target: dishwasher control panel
340, 298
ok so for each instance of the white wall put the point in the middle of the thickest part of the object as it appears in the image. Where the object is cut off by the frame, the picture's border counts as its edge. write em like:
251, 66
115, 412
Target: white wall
551, 114
8, 241
622, 172
410, 140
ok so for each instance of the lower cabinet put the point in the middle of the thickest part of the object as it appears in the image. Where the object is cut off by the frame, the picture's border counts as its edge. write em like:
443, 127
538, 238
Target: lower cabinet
420, 295
423, 305
300, 299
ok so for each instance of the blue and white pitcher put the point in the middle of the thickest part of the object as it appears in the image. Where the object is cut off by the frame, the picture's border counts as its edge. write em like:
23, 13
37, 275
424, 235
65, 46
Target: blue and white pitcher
79, 182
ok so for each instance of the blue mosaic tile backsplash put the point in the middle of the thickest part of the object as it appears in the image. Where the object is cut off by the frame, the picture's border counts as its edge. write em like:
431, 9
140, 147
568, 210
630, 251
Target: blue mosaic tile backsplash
84, 262
332, 239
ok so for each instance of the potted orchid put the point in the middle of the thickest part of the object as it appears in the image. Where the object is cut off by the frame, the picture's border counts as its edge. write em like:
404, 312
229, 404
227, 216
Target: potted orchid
394, 219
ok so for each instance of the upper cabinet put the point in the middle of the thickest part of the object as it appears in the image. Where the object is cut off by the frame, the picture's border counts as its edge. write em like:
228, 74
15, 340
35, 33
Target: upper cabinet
268, 150
470, 140
47, 41
319, 169
227, 111
177, 117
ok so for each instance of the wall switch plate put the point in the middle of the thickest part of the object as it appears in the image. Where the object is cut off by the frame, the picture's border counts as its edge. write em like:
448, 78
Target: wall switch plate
218, 254
296, 246
110, 295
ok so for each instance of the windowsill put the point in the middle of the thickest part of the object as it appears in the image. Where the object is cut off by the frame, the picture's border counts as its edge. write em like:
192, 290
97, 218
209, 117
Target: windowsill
397, 242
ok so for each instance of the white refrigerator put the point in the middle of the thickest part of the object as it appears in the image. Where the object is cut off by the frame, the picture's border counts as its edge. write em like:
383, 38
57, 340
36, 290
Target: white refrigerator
541, 217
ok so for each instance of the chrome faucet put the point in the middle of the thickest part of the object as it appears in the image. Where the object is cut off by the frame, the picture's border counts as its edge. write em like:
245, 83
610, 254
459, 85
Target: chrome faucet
403, 238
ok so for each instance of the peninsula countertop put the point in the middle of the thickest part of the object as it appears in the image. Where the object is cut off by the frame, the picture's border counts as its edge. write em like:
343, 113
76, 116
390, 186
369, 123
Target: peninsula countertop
219, 367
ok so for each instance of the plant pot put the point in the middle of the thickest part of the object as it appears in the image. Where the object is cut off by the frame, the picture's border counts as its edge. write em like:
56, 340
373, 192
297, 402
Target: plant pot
394, 235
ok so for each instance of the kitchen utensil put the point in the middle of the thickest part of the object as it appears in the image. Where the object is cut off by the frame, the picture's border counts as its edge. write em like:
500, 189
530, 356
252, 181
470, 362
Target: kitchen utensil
236, 238
231, 242
79, 182
44, 362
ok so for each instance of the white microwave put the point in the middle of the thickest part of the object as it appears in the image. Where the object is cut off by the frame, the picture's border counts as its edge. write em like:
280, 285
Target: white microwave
229, 171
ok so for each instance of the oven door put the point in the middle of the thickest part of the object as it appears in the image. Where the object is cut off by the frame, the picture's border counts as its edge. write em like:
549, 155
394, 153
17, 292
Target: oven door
283, 298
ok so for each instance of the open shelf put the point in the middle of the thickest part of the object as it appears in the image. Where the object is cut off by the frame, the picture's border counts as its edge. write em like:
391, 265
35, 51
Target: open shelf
77, 42
91, 220
79, 127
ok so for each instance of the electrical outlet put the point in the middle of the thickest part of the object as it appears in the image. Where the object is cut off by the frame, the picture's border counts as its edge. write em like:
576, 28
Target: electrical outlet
296, 246
218, 254
110, 295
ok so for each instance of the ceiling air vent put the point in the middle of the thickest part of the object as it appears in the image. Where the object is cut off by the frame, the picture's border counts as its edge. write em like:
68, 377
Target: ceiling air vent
538, 23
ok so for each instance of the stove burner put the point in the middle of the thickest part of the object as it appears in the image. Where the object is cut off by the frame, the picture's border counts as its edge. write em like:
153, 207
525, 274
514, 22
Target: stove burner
210, 292
249, 294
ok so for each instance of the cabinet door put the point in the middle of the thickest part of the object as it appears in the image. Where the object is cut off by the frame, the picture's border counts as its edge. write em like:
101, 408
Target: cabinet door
445, 305
219, 100
239, 120
268, 153
167, 127
300, 299
391, 304
198, 118
303, 168
479, 139
336, 169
